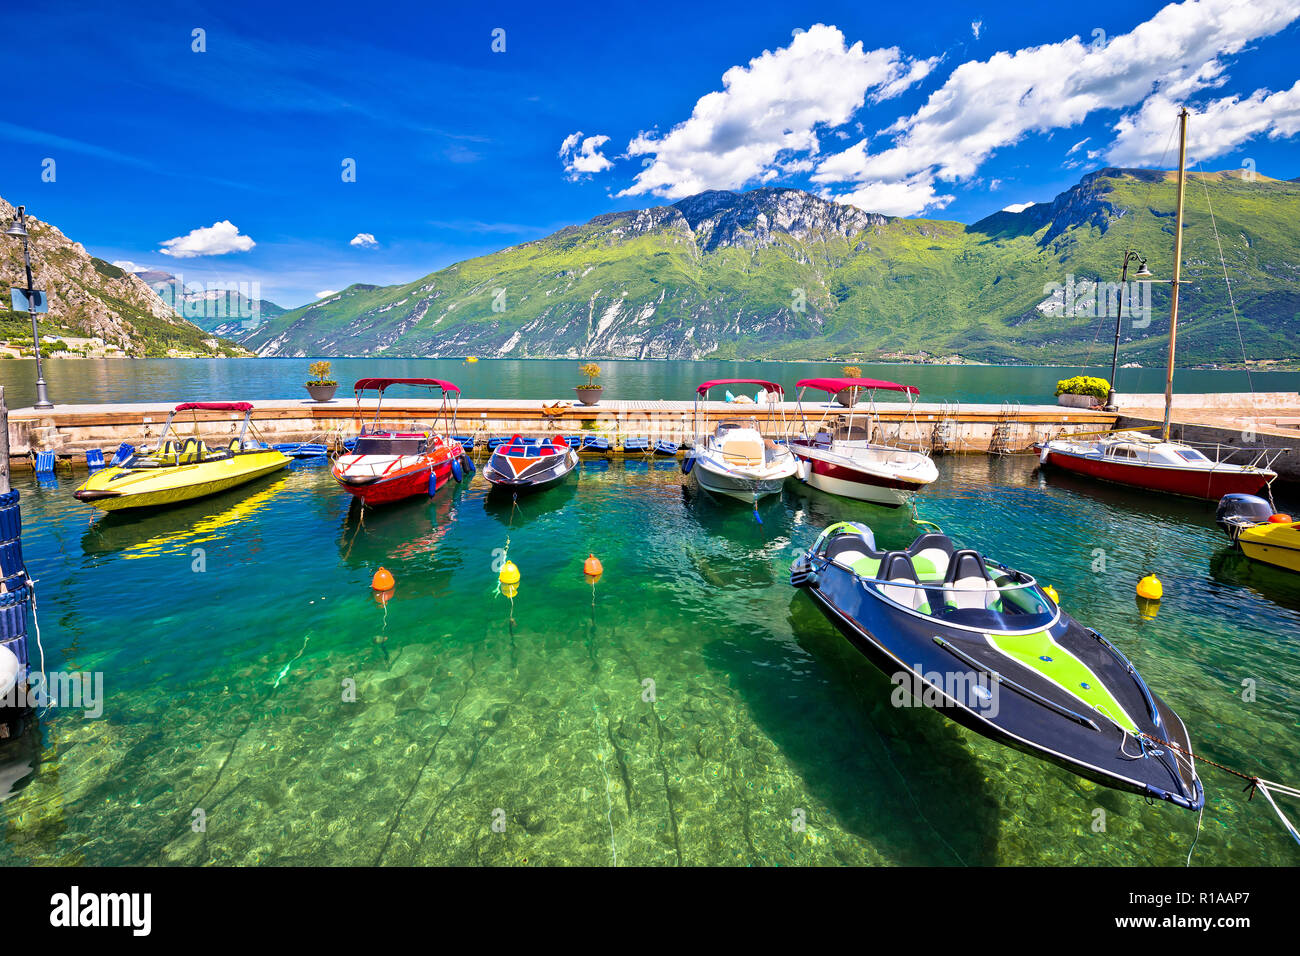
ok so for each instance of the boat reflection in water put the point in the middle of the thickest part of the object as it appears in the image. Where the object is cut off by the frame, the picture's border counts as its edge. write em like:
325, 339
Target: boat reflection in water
402, 531
146, 534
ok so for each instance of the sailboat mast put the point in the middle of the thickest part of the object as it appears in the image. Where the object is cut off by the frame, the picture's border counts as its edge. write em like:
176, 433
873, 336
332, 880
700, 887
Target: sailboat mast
1178, 269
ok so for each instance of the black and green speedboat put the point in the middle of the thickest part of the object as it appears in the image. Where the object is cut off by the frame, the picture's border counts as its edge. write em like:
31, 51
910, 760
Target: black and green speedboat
983, 643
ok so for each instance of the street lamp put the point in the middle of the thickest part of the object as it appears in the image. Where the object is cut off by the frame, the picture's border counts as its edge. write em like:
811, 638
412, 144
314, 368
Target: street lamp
19, 231
1142, 273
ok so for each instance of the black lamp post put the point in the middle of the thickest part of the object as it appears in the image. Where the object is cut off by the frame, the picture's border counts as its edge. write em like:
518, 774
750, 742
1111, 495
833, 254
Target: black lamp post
19, 231
1142, 273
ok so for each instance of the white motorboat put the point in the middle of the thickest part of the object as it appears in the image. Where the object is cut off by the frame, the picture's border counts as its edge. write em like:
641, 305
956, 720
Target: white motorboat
840, 458
734, 459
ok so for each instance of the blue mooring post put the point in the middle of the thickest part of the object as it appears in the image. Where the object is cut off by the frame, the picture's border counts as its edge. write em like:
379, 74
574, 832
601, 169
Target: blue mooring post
15, 594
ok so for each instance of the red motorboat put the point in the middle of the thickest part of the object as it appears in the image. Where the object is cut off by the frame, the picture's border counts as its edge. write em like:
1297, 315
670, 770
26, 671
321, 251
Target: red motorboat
1141, 461
392, 460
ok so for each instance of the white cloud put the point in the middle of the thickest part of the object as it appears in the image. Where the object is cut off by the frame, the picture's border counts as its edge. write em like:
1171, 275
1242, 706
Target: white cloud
126, 265
582, 156
363, 240
768, 111
986, 105
975, 27
1075, 148
1017, 207
326, 293
1218, 127
214, 240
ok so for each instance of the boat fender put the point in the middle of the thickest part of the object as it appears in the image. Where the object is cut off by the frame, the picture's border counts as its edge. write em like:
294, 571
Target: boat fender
1042, 455
468, 464
802, 469
688, 463
456, 470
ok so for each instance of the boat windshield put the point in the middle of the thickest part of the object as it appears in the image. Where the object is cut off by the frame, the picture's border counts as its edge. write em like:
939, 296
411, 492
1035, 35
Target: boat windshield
384, 445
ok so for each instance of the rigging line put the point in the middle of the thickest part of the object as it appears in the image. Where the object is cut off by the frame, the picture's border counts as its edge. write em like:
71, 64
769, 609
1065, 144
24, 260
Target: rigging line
1132, 230
1218, 241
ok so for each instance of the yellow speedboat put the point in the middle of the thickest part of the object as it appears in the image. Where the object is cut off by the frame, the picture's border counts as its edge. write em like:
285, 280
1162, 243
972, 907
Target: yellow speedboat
1261, 534
1277, 544
179, 470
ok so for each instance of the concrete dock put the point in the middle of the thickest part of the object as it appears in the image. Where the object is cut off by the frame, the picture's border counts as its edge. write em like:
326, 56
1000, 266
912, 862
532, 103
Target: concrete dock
70, 430
1239, 421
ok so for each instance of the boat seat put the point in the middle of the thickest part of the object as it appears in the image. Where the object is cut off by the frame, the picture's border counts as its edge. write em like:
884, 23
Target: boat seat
897, 566
967, 585
855, 552
190, 451
743, 453
931, 555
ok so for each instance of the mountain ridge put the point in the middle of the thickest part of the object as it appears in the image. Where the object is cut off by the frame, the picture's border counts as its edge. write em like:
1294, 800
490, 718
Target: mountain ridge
781, 273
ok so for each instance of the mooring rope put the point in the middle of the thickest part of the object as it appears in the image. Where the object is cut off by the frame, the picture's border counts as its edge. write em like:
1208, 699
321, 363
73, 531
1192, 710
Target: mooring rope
1227, 281
1254, 783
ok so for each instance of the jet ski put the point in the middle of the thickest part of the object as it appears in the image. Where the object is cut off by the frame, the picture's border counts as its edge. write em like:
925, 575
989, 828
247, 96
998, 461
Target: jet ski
520, 465
984, 644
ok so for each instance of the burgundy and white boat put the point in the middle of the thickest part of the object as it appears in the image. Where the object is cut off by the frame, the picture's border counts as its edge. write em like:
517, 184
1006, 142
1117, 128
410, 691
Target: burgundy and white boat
840, 458
1143, 461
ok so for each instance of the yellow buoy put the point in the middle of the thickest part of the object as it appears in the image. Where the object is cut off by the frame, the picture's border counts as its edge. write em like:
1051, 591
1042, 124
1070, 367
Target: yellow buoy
509, 590
1150, 588
383, 580
509, 574
1148, 610
471, 359
591, 567
1051, 593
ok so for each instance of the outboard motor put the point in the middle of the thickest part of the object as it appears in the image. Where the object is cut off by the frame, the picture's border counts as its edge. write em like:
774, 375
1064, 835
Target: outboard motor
1241, 511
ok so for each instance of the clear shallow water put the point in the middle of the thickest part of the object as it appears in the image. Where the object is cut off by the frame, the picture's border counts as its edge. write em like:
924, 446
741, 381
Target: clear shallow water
73, 381
224, 688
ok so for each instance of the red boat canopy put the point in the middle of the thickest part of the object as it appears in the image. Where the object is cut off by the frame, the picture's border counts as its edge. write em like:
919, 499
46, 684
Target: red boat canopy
382, 383
770, 386
214, 407
836, 385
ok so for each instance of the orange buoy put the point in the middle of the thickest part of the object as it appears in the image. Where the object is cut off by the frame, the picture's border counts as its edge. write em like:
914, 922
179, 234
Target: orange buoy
1279, 519
591, 567
383, 580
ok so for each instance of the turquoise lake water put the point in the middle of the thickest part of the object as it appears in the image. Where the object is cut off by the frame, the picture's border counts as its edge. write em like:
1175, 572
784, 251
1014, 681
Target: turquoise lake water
74, 381
225, 686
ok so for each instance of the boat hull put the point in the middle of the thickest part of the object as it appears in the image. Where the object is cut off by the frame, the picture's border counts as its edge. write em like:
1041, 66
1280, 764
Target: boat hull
731, 485
1188, 482
907, 649
115, 489
1275, 544
409, 483
840, 477
519, 475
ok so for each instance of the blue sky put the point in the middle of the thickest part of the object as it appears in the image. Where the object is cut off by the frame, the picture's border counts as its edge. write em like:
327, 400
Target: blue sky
951, 111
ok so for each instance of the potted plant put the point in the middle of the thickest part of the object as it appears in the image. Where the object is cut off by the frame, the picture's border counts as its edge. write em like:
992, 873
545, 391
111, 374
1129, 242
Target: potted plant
848, 397
321, 387
1082, 391
589, 394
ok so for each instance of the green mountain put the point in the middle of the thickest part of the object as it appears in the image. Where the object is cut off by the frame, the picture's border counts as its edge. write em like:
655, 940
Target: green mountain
95, 307
230, 311
782, 274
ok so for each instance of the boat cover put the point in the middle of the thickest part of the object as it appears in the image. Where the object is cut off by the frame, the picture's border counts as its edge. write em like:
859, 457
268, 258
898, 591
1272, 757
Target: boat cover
382, 383
836, 385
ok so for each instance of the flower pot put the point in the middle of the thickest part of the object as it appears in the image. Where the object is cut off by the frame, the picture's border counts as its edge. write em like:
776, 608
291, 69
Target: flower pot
322, 393
848, 397
1077, 401
588, 394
